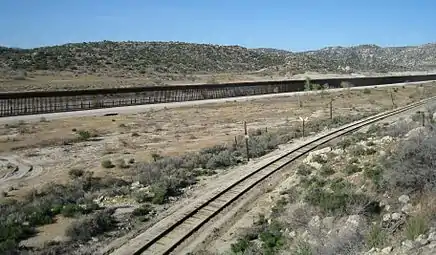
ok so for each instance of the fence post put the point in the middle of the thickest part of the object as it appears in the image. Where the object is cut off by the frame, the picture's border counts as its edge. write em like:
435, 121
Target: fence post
331, 108
392, 98
246, 141
423, 118
303, 120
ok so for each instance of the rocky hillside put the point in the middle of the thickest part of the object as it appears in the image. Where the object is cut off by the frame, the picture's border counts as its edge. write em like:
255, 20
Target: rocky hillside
140, 58
373, 57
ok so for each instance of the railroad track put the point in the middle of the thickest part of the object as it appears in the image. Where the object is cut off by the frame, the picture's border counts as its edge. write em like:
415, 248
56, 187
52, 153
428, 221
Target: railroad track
165, 238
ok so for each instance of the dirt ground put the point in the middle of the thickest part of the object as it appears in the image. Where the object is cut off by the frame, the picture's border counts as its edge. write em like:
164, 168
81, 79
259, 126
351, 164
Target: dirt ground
290, 180
44, 152
285, 181
46, 80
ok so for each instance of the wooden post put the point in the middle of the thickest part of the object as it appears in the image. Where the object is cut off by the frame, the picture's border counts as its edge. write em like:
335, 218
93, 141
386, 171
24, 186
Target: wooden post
236, 141
246, 141
303, 121
331, 108
392, 98
423, 118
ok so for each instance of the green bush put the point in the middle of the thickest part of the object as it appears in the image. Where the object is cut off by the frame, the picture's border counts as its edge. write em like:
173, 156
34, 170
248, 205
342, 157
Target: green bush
39, 208
71, 210
375, 174
416, 226
75, 173
93, 225
304, 169
352, 168
326, 170
366, 91
335, 203
84, 135
121, 163
240, 246
411, 166
376, 237
107, 164
143, 210
160, 191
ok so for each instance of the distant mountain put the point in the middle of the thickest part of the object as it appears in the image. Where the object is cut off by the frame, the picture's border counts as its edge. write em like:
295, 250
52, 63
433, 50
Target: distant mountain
139, 58
273, 51
376, 58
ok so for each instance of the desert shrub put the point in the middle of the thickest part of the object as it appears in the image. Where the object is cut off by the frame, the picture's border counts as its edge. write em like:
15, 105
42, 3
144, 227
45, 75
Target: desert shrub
121, 163
333, 203
107, 163
71, 210
316, 86
161, 192
398, 129
304, 169
83, 135
38, 208
221, 160
142, 196
360, 150
144, 209
366, 91
375, 174
307, 84
269, 234
240, 246
326, 170
375, 237
412, 165
373, 129
417, 116
416, 226
352, 168
345, 142
319, 159
303, 248
313, 181
93, 225
272, 238
74, 173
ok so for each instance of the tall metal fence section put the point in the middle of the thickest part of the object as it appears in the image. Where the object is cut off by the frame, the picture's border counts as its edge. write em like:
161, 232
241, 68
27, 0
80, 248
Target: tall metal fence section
26, 103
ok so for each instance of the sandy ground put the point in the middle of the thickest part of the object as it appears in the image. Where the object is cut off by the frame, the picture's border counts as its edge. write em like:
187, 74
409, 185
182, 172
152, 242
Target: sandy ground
168, 131
66, 81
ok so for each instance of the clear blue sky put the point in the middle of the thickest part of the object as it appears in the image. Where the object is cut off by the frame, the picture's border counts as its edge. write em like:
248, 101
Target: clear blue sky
286, 24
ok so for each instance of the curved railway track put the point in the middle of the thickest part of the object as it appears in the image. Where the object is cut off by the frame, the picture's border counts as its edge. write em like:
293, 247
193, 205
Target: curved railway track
165, 238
